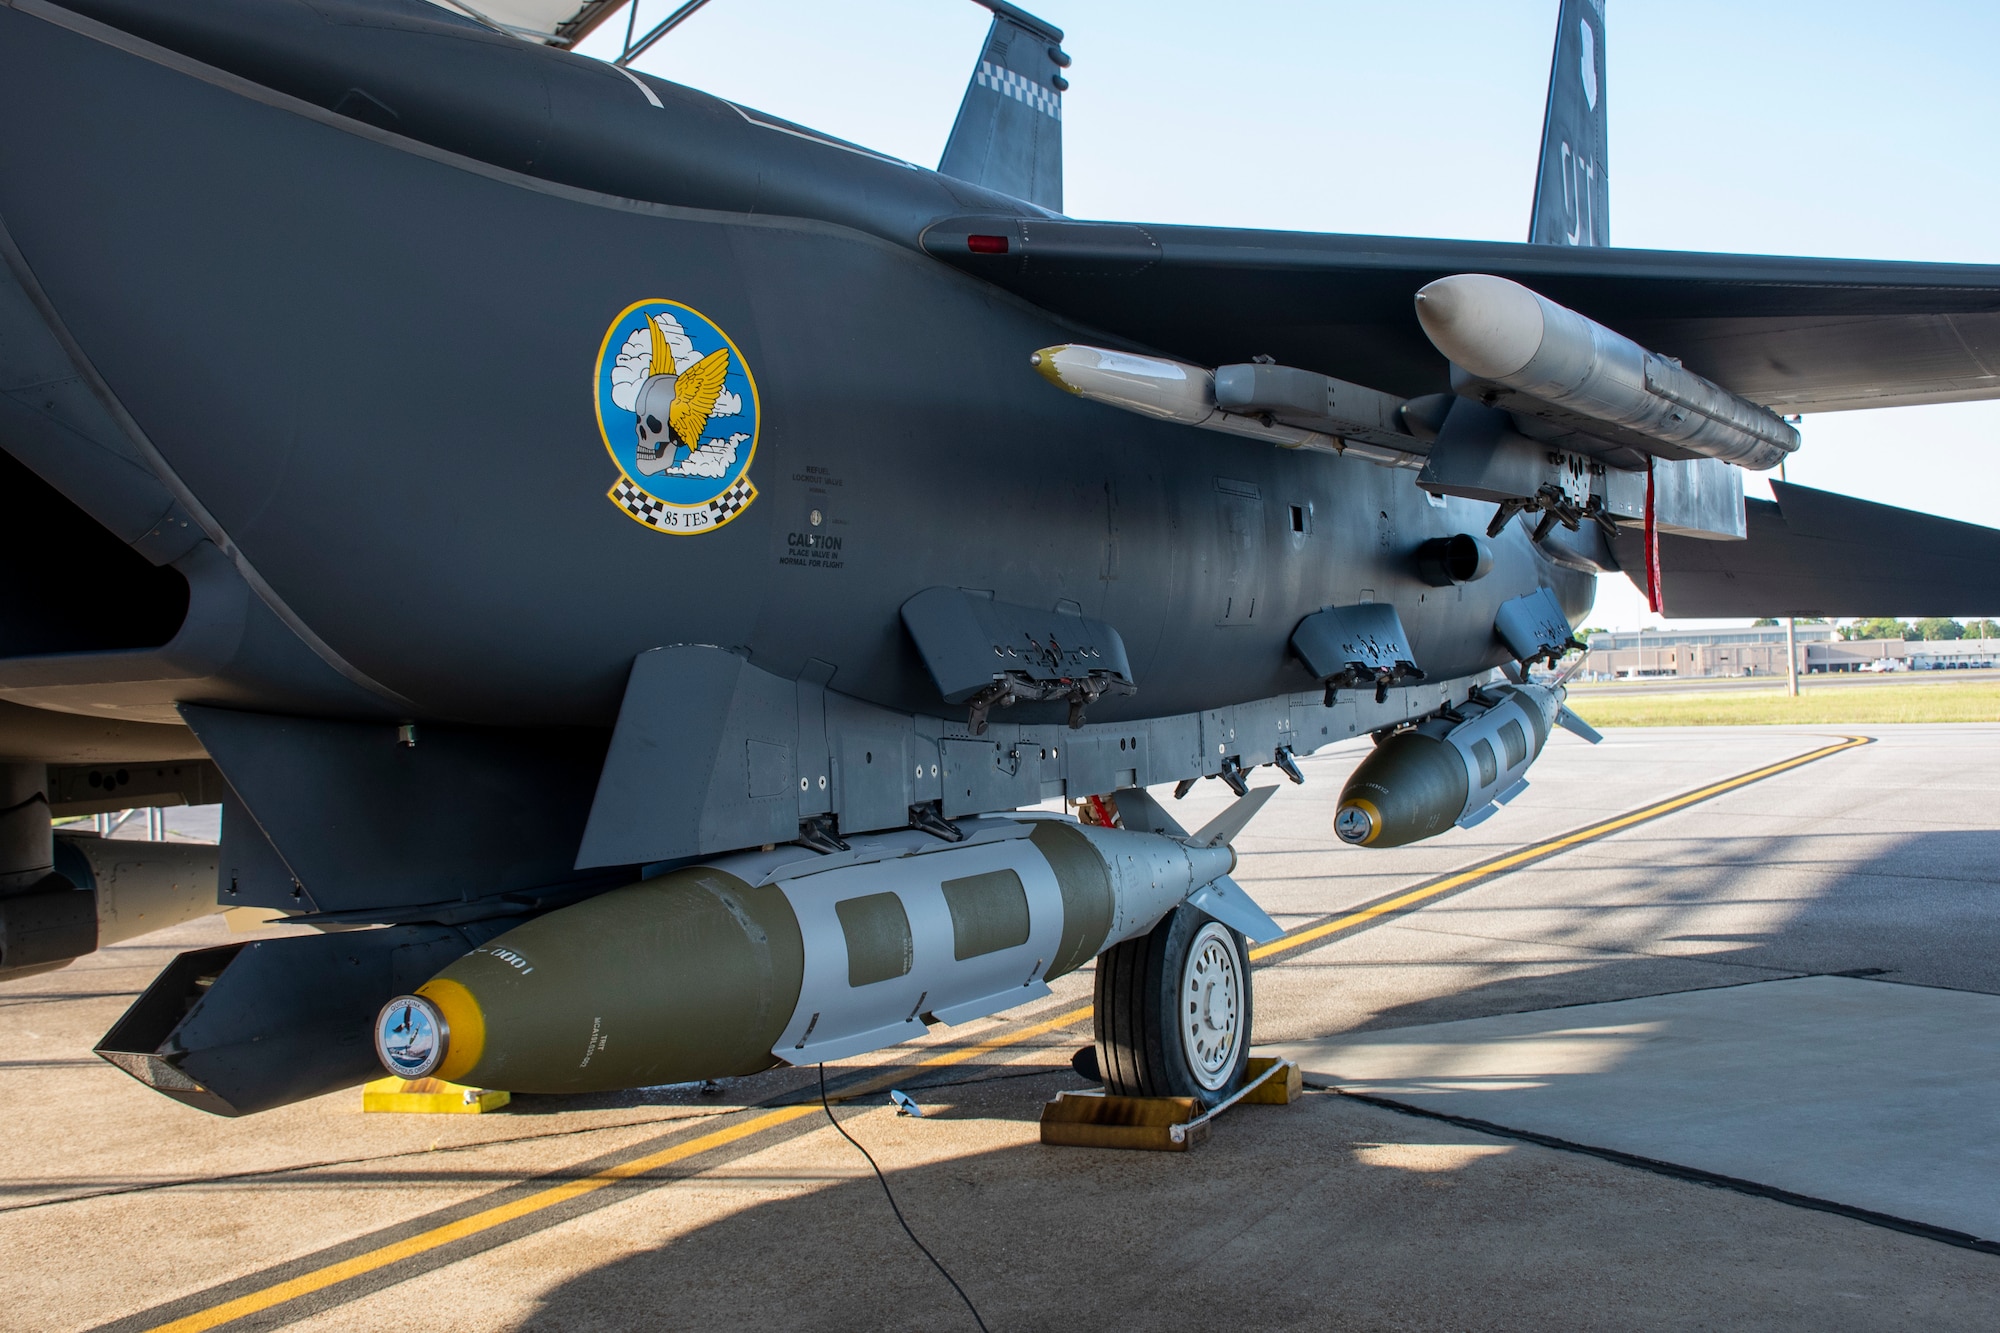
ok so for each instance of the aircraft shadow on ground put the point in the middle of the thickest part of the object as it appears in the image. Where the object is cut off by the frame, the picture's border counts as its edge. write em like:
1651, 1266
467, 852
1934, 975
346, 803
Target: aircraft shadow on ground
784, 1084
1923, 910
1325, 1214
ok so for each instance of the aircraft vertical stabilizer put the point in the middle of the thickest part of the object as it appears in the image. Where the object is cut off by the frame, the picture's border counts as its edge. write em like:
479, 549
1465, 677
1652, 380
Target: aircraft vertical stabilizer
1008, 135
1572, 187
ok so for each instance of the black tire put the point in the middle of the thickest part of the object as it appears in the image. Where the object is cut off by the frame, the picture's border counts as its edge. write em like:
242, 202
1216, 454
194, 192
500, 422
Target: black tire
1143, 995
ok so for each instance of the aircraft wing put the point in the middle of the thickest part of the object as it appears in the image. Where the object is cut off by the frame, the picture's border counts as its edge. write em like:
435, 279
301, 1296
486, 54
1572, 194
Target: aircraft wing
1799, 335
1815, 553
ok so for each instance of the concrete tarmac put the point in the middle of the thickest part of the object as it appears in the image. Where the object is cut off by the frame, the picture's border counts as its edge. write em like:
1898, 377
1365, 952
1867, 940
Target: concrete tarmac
1846, 1090
667, 1209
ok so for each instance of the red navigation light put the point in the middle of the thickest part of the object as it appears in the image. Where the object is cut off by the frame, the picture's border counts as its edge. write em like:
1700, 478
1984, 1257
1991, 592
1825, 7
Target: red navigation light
986, 245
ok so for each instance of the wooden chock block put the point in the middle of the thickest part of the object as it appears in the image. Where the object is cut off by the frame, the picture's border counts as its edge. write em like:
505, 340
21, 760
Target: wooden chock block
1091, 1120
430, 1096
1281, 1089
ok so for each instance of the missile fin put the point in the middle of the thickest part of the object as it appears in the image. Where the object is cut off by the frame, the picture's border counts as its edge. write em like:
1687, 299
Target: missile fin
1138, 811
986, 1005
1513, 791
1225, 826
1569, 721
1225, 900
854, 1043
1473, 818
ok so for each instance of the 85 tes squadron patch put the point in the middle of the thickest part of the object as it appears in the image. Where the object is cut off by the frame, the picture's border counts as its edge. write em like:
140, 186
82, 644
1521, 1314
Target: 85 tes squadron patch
678, 410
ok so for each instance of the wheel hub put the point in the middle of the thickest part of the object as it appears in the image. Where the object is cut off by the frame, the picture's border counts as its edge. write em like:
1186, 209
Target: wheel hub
1211, 1005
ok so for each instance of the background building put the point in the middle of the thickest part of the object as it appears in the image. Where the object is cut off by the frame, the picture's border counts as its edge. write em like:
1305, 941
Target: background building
1903, 655
1638, 654
1706, 652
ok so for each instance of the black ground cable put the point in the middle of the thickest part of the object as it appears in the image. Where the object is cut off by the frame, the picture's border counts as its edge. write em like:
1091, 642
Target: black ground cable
887, 1193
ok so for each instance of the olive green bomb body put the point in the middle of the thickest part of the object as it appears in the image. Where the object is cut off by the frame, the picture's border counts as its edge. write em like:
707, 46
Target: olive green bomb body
1413, 786
687, 976
1454, 768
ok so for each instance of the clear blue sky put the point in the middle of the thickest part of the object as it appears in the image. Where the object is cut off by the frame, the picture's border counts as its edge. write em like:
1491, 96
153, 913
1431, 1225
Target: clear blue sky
1787, 128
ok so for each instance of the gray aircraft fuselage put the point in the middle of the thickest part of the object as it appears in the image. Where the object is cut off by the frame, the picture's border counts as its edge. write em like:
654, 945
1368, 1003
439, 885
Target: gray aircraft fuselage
367, 354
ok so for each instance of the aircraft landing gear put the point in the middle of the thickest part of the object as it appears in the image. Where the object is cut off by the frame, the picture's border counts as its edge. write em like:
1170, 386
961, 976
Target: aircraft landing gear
1173, 1011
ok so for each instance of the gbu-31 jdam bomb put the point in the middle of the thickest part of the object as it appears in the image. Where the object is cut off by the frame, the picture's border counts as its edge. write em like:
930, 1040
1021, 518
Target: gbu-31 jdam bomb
735, 965
1453, 768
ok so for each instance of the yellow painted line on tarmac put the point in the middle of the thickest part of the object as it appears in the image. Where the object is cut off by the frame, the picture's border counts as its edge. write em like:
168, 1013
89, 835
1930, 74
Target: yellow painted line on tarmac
960, 1054
1500, 865
320, 1279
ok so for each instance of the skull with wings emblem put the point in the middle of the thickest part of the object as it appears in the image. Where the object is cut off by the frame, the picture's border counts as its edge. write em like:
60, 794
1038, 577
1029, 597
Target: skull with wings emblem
693, 416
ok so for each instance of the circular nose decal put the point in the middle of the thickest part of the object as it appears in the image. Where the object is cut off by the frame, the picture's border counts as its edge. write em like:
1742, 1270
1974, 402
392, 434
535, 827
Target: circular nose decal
677, 408
1352, 824
410, 1037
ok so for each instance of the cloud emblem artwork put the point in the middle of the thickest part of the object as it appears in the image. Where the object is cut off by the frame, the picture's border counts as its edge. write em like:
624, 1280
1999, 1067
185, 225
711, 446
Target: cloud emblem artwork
677, 409
712, 458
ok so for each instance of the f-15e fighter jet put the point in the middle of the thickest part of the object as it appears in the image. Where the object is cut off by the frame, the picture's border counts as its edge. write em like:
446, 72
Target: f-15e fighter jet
645, 561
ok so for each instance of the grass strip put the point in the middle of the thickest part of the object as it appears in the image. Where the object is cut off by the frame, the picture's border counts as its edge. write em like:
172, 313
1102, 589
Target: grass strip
1830, 705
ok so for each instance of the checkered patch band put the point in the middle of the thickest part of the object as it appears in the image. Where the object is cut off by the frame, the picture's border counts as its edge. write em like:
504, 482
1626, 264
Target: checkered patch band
659, 515
1009, 84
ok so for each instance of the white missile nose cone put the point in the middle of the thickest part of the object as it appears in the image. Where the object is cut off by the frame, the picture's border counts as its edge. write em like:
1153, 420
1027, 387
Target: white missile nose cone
1049, 363
1489, 326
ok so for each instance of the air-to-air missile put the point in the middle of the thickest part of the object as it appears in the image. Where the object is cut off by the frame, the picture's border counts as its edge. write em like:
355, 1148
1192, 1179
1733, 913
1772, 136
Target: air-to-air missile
1452, 769
752, 959
1571, 371
1262, 402
1153, 386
